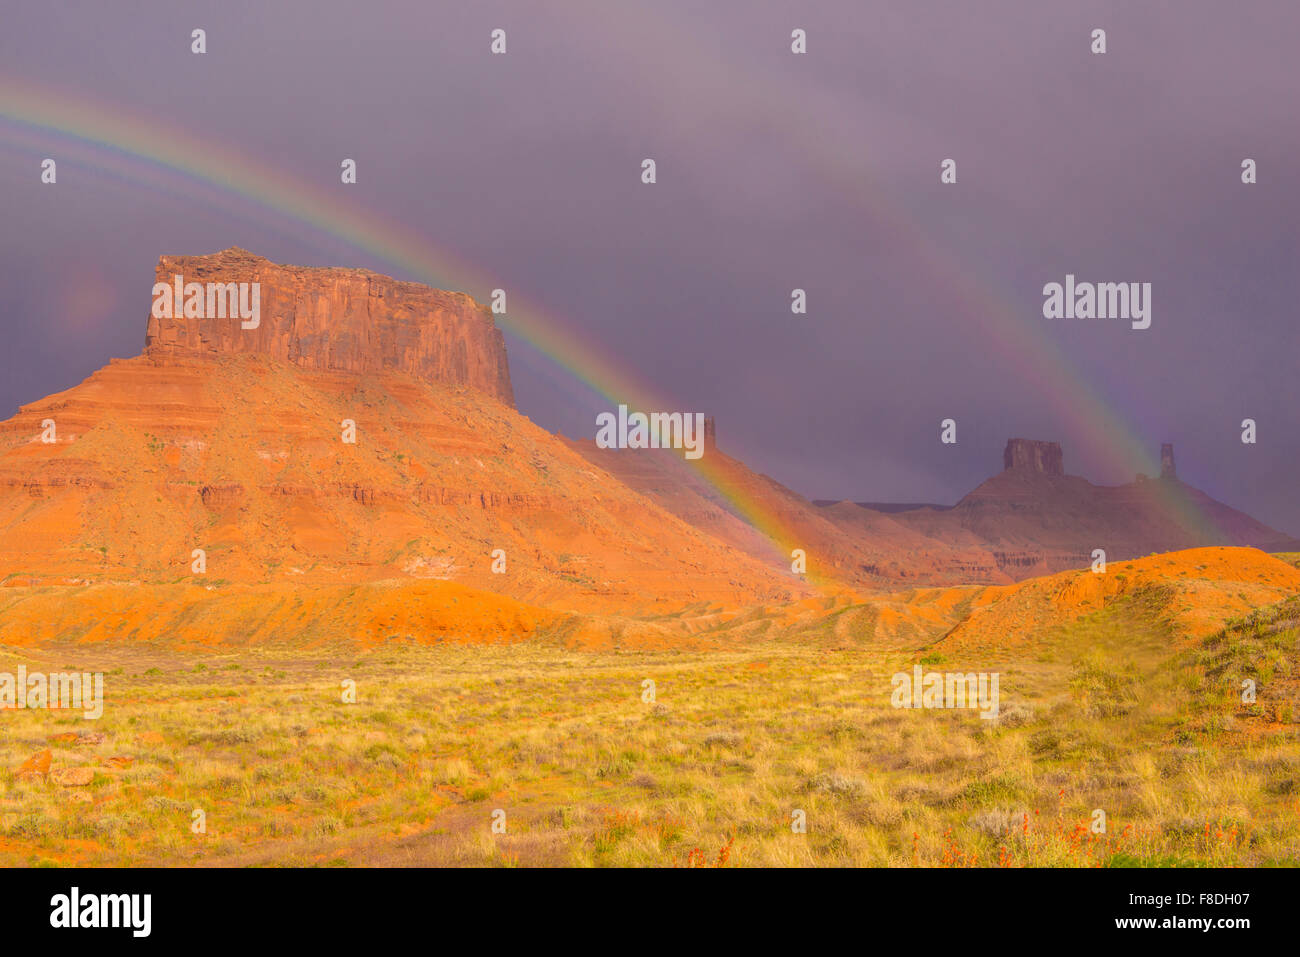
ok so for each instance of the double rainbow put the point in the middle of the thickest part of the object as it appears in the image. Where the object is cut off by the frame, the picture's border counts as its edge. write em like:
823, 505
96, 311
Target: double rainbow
120, 143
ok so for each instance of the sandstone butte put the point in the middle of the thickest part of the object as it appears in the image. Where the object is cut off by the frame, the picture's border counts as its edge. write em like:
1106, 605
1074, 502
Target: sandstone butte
228, 440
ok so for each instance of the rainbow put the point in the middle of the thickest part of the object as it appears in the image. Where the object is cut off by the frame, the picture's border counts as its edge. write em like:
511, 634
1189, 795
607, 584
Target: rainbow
814, 128
142, 150
166, 158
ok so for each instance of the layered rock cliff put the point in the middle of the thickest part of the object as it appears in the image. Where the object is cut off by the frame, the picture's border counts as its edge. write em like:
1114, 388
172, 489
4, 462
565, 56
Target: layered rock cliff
342, 320
360, 433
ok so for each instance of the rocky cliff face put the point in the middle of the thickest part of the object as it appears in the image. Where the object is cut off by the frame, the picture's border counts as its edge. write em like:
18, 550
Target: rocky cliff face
342, 320
1031, 454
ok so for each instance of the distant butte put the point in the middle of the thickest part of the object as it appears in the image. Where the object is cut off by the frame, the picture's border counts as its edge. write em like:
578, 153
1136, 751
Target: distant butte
1034, 519
1032, 454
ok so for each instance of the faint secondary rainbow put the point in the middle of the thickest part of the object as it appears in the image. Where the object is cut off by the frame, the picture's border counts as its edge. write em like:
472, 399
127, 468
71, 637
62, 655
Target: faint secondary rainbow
112, 135
815, 128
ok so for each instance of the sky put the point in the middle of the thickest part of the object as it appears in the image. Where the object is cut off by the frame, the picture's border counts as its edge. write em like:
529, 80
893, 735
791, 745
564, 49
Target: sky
775, 171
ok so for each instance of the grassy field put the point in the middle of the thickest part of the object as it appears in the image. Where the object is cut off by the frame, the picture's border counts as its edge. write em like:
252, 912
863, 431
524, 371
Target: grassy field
1107, 715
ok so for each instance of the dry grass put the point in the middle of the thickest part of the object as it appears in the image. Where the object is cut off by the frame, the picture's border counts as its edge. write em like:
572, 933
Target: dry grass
1105, 715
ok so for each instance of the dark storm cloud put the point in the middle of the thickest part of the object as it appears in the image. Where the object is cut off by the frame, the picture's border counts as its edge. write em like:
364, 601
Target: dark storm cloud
775, 171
